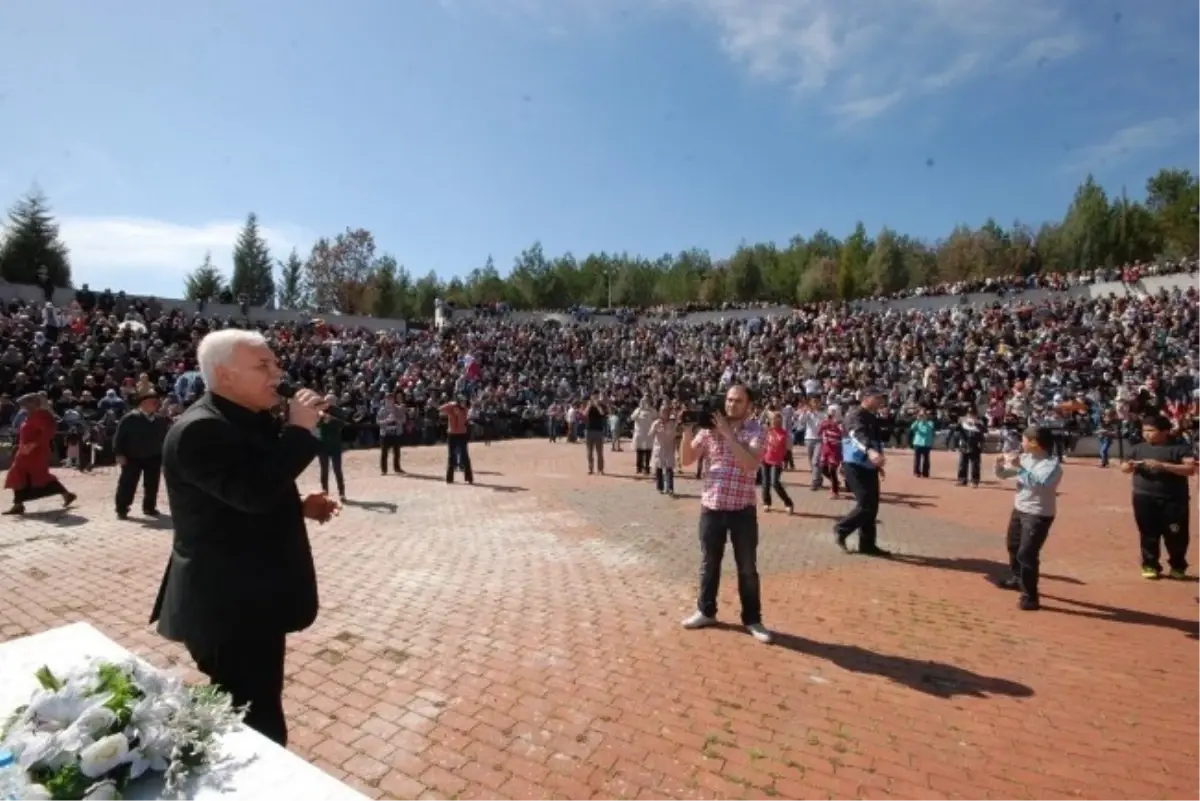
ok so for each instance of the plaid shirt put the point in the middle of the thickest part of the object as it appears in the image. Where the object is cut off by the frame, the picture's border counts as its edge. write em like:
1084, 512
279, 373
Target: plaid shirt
727, 487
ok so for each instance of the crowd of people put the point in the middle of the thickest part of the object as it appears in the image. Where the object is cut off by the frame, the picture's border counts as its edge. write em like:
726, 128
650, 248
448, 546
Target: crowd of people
1076, 365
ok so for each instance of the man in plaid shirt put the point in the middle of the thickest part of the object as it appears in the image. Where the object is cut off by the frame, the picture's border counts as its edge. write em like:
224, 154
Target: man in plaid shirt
732, 448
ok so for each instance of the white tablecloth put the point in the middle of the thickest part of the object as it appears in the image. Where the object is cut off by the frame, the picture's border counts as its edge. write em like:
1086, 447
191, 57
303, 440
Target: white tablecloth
255, 766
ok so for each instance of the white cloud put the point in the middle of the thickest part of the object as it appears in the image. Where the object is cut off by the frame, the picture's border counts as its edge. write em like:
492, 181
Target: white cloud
153, 256
862, 58
1131, 140
857, 59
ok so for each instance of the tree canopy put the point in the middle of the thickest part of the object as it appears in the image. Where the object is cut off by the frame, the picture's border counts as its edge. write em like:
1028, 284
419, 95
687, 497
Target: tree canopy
30, 245
347, 274
253, 269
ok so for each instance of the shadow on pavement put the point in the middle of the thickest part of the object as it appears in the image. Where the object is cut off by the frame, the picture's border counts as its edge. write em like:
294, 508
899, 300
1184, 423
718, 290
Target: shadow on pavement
990, 569
932, 678
1118, 614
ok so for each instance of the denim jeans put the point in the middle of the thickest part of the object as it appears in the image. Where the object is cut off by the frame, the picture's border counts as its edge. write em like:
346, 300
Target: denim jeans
458, 457
773, 479
740, 527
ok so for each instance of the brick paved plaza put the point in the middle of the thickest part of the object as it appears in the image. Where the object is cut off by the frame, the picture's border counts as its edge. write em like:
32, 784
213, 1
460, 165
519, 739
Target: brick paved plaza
520, 638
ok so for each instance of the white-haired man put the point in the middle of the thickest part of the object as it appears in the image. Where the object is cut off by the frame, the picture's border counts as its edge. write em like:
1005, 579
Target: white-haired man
241, 574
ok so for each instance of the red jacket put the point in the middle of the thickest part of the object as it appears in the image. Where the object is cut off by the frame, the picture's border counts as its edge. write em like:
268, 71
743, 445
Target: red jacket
31, 462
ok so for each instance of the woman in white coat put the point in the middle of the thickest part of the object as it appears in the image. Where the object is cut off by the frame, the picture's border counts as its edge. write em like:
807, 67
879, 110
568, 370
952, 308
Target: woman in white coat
662, 436
643, 418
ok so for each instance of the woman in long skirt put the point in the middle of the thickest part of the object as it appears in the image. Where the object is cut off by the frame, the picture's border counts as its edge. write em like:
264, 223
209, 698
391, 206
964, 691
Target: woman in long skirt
29, 475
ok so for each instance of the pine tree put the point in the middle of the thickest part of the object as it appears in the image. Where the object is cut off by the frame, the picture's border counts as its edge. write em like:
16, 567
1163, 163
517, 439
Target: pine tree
292, 294
253, 269
205, 282
30, 242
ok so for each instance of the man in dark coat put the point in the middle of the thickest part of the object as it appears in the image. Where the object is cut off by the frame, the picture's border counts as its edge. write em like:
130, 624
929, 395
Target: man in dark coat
241, 574
138, 446
863, 465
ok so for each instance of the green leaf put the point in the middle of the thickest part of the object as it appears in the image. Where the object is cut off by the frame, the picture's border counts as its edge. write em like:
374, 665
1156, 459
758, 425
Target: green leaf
47, 679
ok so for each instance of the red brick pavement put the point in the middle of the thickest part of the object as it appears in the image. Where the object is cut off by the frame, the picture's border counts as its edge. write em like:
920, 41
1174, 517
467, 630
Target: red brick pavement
520, 639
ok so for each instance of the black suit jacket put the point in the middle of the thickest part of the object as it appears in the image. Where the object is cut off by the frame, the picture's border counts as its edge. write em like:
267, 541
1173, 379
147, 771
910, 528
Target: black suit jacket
241, 564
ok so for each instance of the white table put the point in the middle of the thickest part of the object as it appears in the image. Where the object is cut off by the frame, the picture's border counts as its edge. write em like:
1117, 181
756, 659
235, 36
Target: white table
255, 767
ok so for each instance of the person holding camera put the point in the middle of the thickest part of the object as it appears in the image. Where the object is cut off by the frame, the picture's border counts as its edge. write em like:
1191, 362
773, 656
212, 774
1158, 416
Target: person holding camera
732, 445
863, 466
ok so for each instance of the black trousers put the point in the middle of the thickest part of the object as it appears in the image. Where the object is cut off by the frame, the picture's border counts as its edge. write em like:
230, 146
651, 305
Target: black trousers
390, 443
1027, 534
149, 471
1163, 521
773, 479
328, 458
863, 482
643, 461
458, 457
741, 529
249, 668
969, 467
921, 460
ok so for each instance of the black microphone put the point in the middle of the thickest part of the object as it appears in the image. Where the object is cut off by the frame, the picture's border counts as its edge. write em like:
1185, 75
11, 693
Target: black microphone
287, 391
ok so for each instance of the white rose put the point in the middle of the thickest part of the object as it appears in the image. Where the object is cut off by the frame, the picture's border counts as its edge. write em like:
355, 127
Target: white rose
102, 791
103, 755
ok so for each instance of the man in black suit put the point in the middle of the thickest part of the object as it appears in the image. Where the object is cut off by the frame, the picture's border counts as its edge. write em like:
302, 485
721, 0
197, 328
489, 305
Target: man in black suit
138, 446
241, 574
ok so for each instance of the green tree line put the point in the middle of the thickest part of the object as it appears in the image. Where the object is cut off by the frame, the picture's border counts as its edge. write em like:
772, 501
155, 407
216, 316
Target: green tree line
347, 273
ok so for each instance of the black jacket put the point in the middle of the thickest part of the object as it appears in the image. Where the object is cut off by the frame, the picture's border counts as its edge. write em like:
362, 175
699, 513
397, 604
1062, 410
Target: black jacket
140, 436
240, 563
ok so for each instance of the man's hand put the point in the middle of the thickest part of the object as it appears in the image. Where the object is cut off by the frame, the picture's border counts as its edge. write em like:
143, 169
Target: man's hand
876, 458
721, 426
1128, 467
122, 461
320, 507
304, 409
1151, 465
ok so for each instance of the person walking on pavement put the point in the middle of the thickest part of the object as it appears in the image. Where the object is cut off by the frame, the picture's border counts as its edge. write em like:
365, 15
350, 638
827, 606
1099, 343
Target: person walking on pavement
1038, 475
594, 422
138, 446
863, 466
329, 432
809, 421
774, 455
643, 443
921, 436
29, 475
663, 432
457, 453
1161, 467
970, 439
728, 509
390, 420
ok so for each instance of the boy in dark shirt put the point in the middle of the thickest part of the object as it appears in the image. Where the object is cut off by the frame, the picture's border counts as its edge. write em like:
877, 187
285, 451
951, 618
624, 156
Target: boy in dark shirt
1161, 467
971, 432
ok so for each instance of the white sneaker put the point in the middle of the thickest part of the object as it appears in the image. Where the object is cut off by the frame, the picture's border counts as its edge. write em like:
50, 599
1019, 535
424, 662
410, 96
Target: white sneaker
759, 632
699, 620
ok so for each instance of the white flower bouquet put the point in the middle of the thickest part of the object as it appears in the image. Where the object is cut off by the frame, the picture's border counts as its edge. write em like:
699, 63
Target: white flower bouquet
91, 732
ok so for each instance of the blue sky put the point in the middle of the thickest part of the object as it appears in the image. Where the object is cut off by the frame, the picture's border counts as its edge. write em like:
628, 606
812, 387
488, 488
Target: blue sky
457, 128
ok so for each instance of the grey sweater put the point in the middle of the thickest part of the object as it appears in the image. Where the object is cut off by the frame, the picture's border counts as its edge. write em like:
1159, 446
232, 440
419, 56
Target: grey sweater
1037, 484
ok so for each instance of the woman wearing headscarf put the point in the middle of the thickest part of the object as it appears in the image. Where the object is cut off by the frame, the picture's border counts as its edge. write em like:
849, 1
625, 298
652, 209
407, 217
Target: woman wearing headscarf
29, 475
